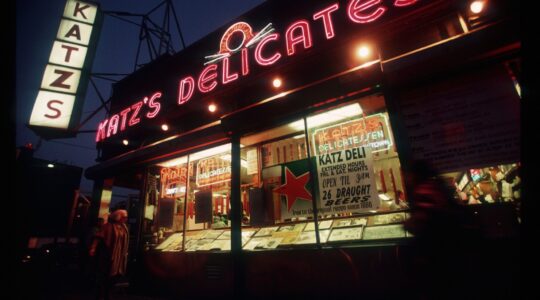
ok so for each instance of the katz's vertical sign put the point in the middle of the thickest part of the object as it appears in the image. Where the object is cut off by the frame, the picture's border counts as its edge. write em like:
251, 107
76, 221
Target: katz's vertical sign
57, 107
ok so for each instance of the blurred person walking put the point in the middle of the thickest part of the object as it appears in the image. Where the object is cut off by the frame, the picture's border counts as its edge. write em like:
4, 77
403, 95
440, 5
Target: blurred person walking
110, 249
443, 235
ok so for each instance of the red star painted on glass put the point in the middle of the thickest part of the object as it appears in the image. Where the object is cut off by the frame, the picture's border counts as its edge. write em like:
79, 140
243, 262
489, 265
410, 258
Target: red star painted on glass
294, 188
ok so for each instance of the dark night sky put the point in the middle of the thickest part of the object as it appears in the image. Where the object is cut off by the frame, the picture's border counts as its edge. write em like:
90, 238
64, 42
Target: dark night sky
37, 24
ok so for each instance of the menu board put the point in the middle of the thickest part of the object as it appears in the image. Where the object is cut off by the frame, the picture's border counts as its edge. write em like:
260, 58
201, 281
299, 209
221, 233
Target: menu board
251, 244
388, 218
223, 245
289, 237
294, 227
252, 163
266, 231
464, 122
310, 226
346, 182
226, 235
172, 243
269, 243
212, 234
341, 223
310, 238
346, 234
384, 232
194, 245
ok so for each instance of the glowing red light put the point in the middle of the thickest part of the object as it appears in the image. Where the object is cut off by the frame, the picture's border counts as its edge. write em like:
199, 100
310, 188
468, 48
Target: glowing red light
327, 19
183, 94
227, 78
152, 103
259, 49
124, 114
245, 62
402, 3
304, 37
205, 78
101, 132
113, 125
135, 116
357, 11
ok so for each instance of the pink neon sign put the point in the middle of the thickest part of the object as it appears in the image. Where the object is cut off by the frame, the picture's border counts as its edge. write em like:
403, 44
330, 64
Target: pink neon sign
297, 37
220, 70
148, 108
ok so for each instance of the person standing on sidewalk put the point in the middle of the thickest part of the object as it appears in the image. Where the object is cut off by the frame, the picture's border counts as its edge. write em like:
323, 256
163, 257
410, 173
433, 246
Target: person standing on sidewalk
110, 248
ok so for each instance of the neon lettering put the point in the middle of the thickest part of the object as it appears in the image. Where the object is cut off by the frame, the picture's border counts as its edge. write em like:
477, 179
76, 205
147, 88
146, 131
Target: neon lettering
403, 3
124, 114
135, 116
304, 37
113, 125
155, 105
209, 74
188, 83
101, 134
245, 62
356, 11
227, 78
258, 51
325, 16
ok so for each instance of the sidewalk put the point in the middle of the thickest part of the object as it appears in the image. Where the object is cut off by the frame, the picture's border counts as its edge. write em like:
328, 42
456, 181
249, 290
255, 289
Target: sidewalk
52, 281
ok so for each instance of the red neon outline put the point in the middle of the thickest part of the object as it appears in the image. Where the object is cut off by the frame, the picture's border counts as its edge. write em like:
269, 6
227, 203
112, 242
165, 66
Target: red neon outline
245, 62
101, 132
226, 77
181, 98
354, 9
203, 79
242, 27
327, 19
403, 3
124, 118
155, 105
134, 120
113, 125
258, 51
305, 38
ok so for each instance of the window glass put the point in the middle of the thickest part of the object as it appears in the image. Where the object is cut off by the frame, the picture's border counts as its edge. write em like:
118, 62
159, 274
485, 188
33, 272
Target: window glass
359, 185
492, 184
191, 191
165, 204
276, 189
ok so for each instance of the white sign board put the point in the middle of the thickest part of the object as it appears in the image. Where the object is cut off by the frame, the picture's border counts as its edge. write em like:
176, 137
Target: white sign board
55, 105
346, 181
69, 55
52, 109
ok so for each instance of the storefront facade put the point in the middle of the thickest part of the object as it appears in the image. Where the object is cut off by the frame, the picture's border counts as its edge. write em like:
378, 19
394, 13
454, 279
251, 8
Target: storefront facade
271, 154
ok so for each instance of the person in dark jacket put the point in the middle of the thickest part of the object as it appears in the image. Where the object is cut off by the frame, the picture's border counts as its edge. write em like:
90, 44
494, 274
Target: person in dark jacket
110, 248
